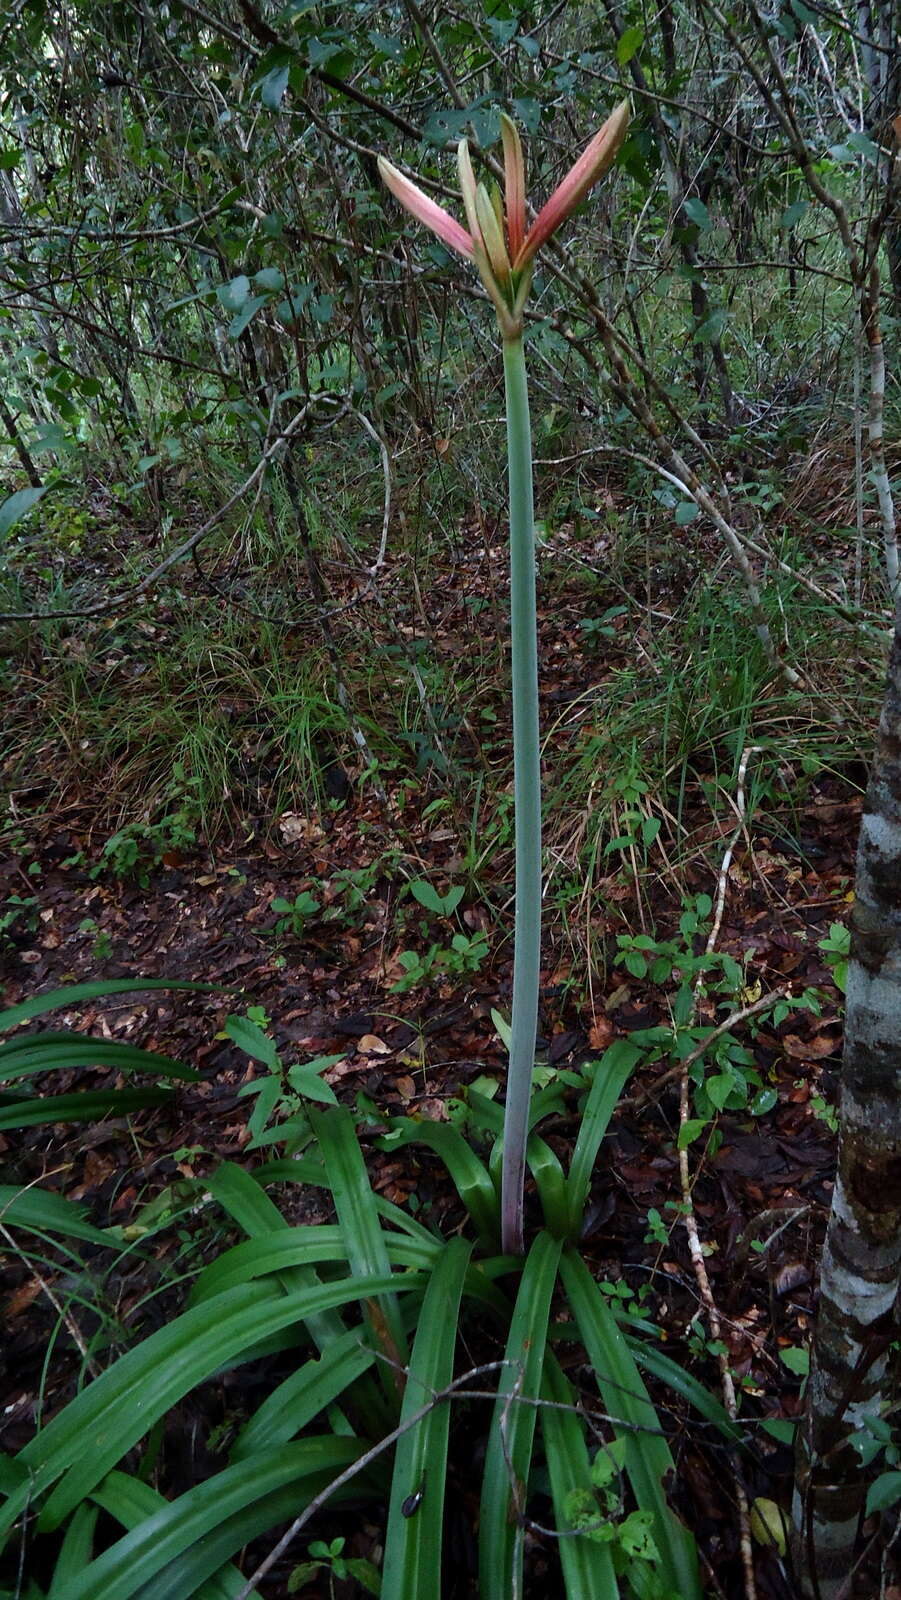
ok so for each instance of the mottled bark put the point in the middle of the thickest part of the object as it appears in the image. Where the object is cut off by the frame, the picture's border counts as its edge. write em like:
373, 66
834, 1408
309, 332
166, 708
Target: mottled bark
862, 1254
876, 424
878, 27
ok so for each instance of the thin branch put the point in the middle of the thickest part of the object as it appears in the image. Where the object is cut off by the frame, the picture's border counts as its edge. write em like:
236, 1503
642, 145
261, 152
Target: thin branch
642, 1096
695, 1247
386, 476
104, 607
457, 1388
115, 235
432, 46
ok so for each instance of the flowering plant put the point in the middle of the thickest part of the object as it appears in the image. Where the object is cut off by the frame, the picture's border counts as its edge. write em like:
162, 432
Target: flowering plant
498, 241
503, 249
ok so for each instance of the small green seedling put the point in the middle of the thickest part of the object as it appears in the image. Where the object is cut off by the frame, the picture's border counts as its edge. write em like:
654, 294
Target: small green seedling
464, 954
140, 846
294, 914
102, 947
596, 1512
20, 916
596, 628
329, 1558
443, 905
836, 947
280, 1096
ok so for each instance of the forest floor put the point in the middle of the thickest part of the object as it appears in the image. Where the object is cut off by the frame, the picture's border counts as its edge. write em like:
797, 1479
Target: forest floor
328, 986
210, 917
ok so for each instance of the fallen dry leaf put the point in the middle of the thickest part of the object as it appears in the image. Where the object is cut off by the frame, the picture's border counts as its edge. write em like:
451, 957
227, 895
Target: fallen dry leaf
431, 1109
600, 1034
293, 828
791, 1276
341, 1069
617, 998
824, 1044
372, 1045
97, 1169
23, 1297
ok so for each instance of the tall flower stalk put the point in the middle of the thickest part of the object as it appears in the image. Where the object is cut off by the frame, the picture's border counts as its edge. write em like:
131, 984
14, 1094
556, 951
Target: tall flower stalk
504, 249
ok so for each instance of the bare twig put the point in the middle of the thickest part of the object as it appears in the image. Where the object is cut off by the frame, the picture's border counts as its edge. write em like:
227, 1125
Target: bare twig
386, 475
104, 607
642, 1096
696, 1249
461, 1388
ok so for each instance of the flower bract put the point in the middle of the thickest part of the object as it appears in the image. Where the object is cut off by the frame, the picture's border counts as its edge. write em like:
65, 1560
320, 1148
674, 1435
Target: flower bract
497, 239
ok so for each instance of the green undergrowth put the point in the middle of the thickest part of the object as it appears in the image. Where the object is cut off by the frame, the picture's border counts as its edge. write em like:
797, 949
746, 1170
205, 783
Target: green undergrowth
394, 1352
657, 748
196, 721
388, 1347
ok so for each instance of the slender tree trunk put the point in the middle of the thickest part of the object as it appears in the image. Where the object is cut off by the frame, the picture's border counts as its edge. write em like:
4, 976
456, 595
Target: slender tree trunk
862, 1254
19, 445
876, 422
893, 251
678, 183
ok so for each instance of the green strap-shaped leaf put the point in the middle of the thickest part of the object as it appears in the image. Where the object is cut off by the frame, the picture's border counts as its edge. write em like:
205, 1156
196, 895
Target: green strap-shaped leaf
687, 1387
17, 505
611, 1074
88, 1106
303, 1395
256, 1213
484, 1113
46, 1212
253, 1210
288, 1247
546, 1102
26, 1041
303, 1170
107, 1418
22, 1057
61, 999
587, 1566
358, 1217
280, 1250
551, 1185
480, 1287
172, 1551
549, 1176
412, 1566
648, 1459
244, 1198
75, 1552
640, 1334
468, 1174
130, 1501
513, 1425
293, 1169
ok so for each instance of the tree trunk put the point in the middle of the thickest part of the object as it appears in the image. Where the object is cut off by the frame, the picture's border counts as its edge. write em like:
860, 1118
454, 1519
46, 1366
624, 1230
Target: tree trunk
862, 1254
19, 445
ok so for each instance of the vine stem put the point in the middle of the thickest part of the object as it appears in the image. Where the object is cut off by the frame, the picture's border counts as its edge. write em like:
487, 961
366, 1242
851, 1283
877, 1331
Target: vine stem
526, 795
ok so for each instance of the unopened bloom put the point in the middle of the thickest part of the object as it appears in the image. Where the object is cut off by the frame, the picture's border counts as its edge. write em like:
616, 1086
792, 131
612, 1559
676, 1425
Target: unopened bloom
497, 239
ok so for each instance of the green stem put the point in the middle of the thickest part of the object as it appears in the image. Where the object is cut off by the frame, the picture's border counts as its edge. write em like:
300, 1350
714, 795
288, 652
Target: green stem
527, 795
